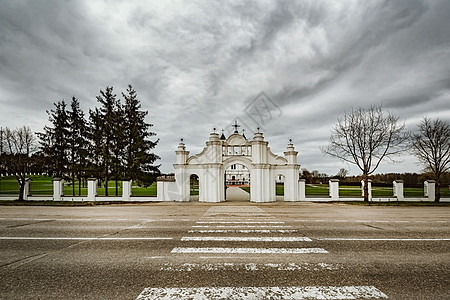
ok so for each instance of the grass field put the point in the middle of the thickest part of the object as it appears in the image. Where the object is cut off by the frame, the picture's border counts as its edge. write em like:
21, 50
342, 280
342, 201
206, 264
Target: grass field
322, 190
43, 186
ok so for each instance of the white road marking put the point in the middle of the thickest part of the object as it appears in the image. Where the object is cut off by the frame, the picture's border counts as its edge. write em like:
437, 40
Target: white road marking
382, 239
249, 250
239, 222
241, 226
81, 238
244, 231
286, 292
188, 267
245, 239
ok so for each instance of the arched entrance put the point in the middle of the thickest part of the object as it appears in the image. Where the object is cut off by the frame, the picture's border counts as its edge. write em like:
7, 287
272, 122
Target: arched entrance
236, 182
279, 187
194, 187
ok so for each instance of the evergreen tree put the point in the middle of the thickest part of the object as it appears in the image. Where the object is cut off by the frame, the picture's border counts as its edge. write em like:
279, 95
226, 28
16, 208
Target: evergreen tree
139, 159
108, 129
78, 143
95, 147
54, 140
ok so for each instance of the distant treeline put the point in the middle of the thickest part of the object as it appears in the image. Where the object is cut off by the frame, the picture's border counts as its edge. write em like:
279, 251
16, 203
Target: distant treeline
410, 179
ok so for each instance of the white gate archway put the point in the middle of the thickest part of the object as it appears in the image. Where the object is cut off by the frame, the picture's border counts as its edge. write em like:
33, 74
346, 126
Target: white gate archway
221, 152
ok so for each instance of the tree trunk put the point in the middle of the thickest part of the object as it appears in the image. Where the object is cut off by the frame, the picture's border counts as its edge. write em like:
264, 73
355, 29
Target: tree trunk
21, 189
366, 188
79, 186
117, 187
437, 195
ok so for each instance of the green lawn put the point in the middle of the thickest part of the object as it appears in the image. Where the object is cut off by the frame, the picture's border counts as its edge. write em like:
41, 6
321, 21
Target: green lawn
43, 186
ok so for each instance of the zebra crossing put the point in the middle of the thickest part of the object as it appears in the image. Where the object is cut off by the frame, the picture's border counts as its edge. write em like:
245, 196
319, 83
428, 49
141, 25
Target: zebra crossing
220, 220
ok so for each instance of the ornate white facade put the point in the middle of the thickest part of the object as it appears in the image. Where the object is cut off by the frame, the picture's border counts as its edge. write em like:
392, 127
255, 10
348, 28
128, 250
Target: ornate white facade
212, 163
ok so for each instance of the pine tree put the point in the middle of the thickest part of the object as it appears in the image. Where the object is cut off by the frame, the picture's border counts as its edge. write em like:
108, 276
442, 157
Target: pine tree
139, 158
108, 127
54, 140
78, 143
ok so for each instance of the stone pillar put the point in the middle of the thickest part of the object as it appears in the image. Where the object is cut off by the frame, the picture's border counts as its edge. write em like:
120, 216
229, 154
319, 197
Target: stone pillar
260, 173
213, 184
126, 189
27, 189
181, 176
58, 188
334, 189
302, 189
260, 187
430, 190
291, 192
92, 189
166, 188
369, 188
398, 190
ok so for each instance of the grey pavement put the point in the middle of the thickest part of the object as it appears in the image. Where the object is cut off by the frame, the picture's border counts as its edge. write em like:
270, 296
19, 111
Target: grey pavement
146, 250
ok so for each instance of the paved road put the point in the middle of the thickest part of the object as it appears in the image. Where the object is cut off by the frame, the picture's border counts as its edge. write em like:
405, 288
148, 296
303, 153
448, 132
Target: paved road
235, 249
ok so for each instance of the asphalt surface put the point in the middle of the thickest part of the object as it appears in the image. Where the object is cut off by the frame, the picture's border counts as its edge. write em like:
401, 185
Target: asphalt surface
127, 251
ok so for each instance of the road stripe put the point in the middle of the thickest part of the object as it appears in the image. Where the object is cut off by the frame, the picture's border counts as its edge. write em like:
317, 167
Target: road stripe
241, 226
239, 222
382, 239
81, 238
188, 267
244, 231
245, 239
295, 292
249, 250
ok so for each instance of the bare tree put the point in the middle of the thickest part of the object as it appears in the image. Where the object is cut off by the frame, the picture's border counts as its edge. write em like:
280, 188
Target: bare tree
432, 146
20, 144
342, 173
365, 137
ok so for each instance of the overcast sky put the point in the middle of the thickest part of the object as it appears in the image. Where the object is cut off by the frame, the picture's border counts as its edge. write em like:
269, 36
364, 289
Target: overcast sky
200, 64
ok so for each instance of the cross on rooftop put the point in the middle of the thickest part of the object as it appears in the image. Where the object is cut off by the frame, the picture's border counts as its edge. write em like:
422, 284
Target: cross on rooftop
235, 125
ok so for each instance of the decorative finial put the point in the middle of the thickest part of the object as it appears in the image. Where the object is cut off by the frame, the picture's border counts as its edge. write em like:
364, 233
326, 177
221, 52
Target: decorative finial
290, 141
181, 140
214, 129
257, 128
235, 125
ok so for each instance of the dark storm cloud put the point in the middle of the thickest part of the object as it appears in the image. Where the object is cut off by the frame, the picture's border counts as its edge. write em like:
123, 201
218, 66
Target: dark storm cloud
197, 65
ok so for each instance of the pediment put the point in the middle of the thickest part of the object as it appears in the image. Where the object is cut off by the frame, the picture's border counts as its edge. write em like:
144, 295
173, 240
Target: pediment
236, 140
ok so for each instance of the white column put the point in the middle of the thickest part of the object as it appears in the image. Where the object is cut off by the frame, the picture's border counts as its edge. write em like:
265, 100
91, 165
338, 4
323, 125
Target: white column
260, 185
27, 189
302, 189
430, 190
369, 188
126, 189
398, 190
334, 189
92, 189
58, 188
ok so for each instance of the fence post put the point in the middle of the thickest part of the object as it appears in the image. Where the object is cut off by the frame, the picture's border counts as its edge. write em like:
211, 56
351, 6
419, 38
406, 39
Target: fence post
430, 189
369, 188
302, 189
398, 190
92, 189
126, 189
334, 189
58, 188
27, 189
